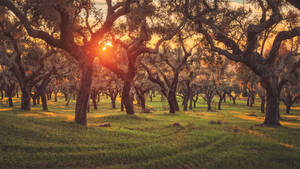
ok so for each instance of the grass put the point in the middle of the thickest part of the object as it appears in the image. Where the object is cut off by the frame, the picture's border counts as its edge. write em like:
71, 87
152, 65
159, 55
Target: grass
38, 139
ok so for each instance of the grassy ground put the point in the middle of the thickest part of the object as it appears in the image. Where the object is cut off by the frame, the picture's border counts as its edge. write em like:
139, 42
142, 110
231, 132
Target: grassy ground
38, 139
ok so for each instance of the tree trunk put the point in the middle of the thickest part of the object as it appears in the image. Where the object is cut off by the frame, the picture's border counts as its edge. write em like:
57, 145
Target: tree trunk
262, 104
66, 96
248, 100
34, 100
113, 102
49, 95
176, 103
122, 104
83, 94
55, 96
68, 99
195, 101
127, 99
44, 100
151, 96
172, 102
220, 103
95, 103
272, 115
10, 101
185, 103
209, 104
233, 99
143, 101
38, 99
171, 105
2, 96
288, 108
25, 98
191, 102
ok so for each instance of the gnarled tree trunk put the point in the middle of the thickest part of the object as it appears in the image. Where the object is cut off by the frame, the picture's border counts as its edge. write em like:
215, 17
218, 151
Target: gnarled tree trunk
273, 98
83, 94
25, 98
126, 98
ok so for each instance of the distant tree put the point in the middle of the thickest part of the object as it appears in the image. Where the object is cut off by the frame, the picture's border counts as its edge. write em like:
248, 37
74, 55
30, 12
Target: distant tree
205, 83
164, 69
234, 91
23, 58
290, 94
110, 85
124, 54
142, 86
8, 84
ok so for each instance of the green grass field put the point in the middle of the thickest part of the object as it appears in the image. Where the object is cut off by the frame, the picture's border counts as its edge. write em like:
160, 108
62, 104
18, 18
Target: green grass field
38, 139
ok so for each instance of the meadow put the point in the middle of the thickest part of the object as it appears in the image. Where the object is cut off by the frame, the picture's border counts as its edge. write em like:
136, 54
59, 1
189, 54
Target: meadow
231, 138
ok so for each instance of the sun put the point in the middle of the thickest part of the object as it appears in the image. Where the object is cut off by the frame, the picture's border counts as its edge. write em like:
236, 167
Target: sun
107, 44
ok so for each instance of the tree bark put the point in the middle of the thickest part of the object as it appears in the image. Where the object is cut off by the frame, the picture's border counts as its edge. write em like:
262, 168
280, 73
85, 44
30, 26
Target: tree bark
220, 103
55, 96
262, 105
272, 111
122, 104
44, 100
209, 105
25, 98
113, 102
191, 103
10, 101
172, 102
233, 99
94, 98
38, 100
83, 94
248, 100
95, 103
185, 103
288, 108
127, 99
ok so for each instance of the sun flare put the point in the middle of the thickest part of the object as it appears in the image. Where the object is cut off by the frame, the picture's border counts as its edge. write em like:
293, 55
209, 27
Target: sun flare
107, 44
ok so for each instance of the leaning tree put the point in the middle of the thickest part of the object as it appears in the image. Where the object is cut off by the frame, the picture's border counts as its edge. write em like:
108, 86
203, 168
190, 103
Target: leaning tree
238, 31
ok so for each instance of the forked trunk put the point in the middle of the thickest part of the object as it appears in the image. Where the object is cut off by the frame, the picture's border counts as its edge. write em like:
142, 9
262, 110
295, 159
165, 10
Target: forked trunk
83, 95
